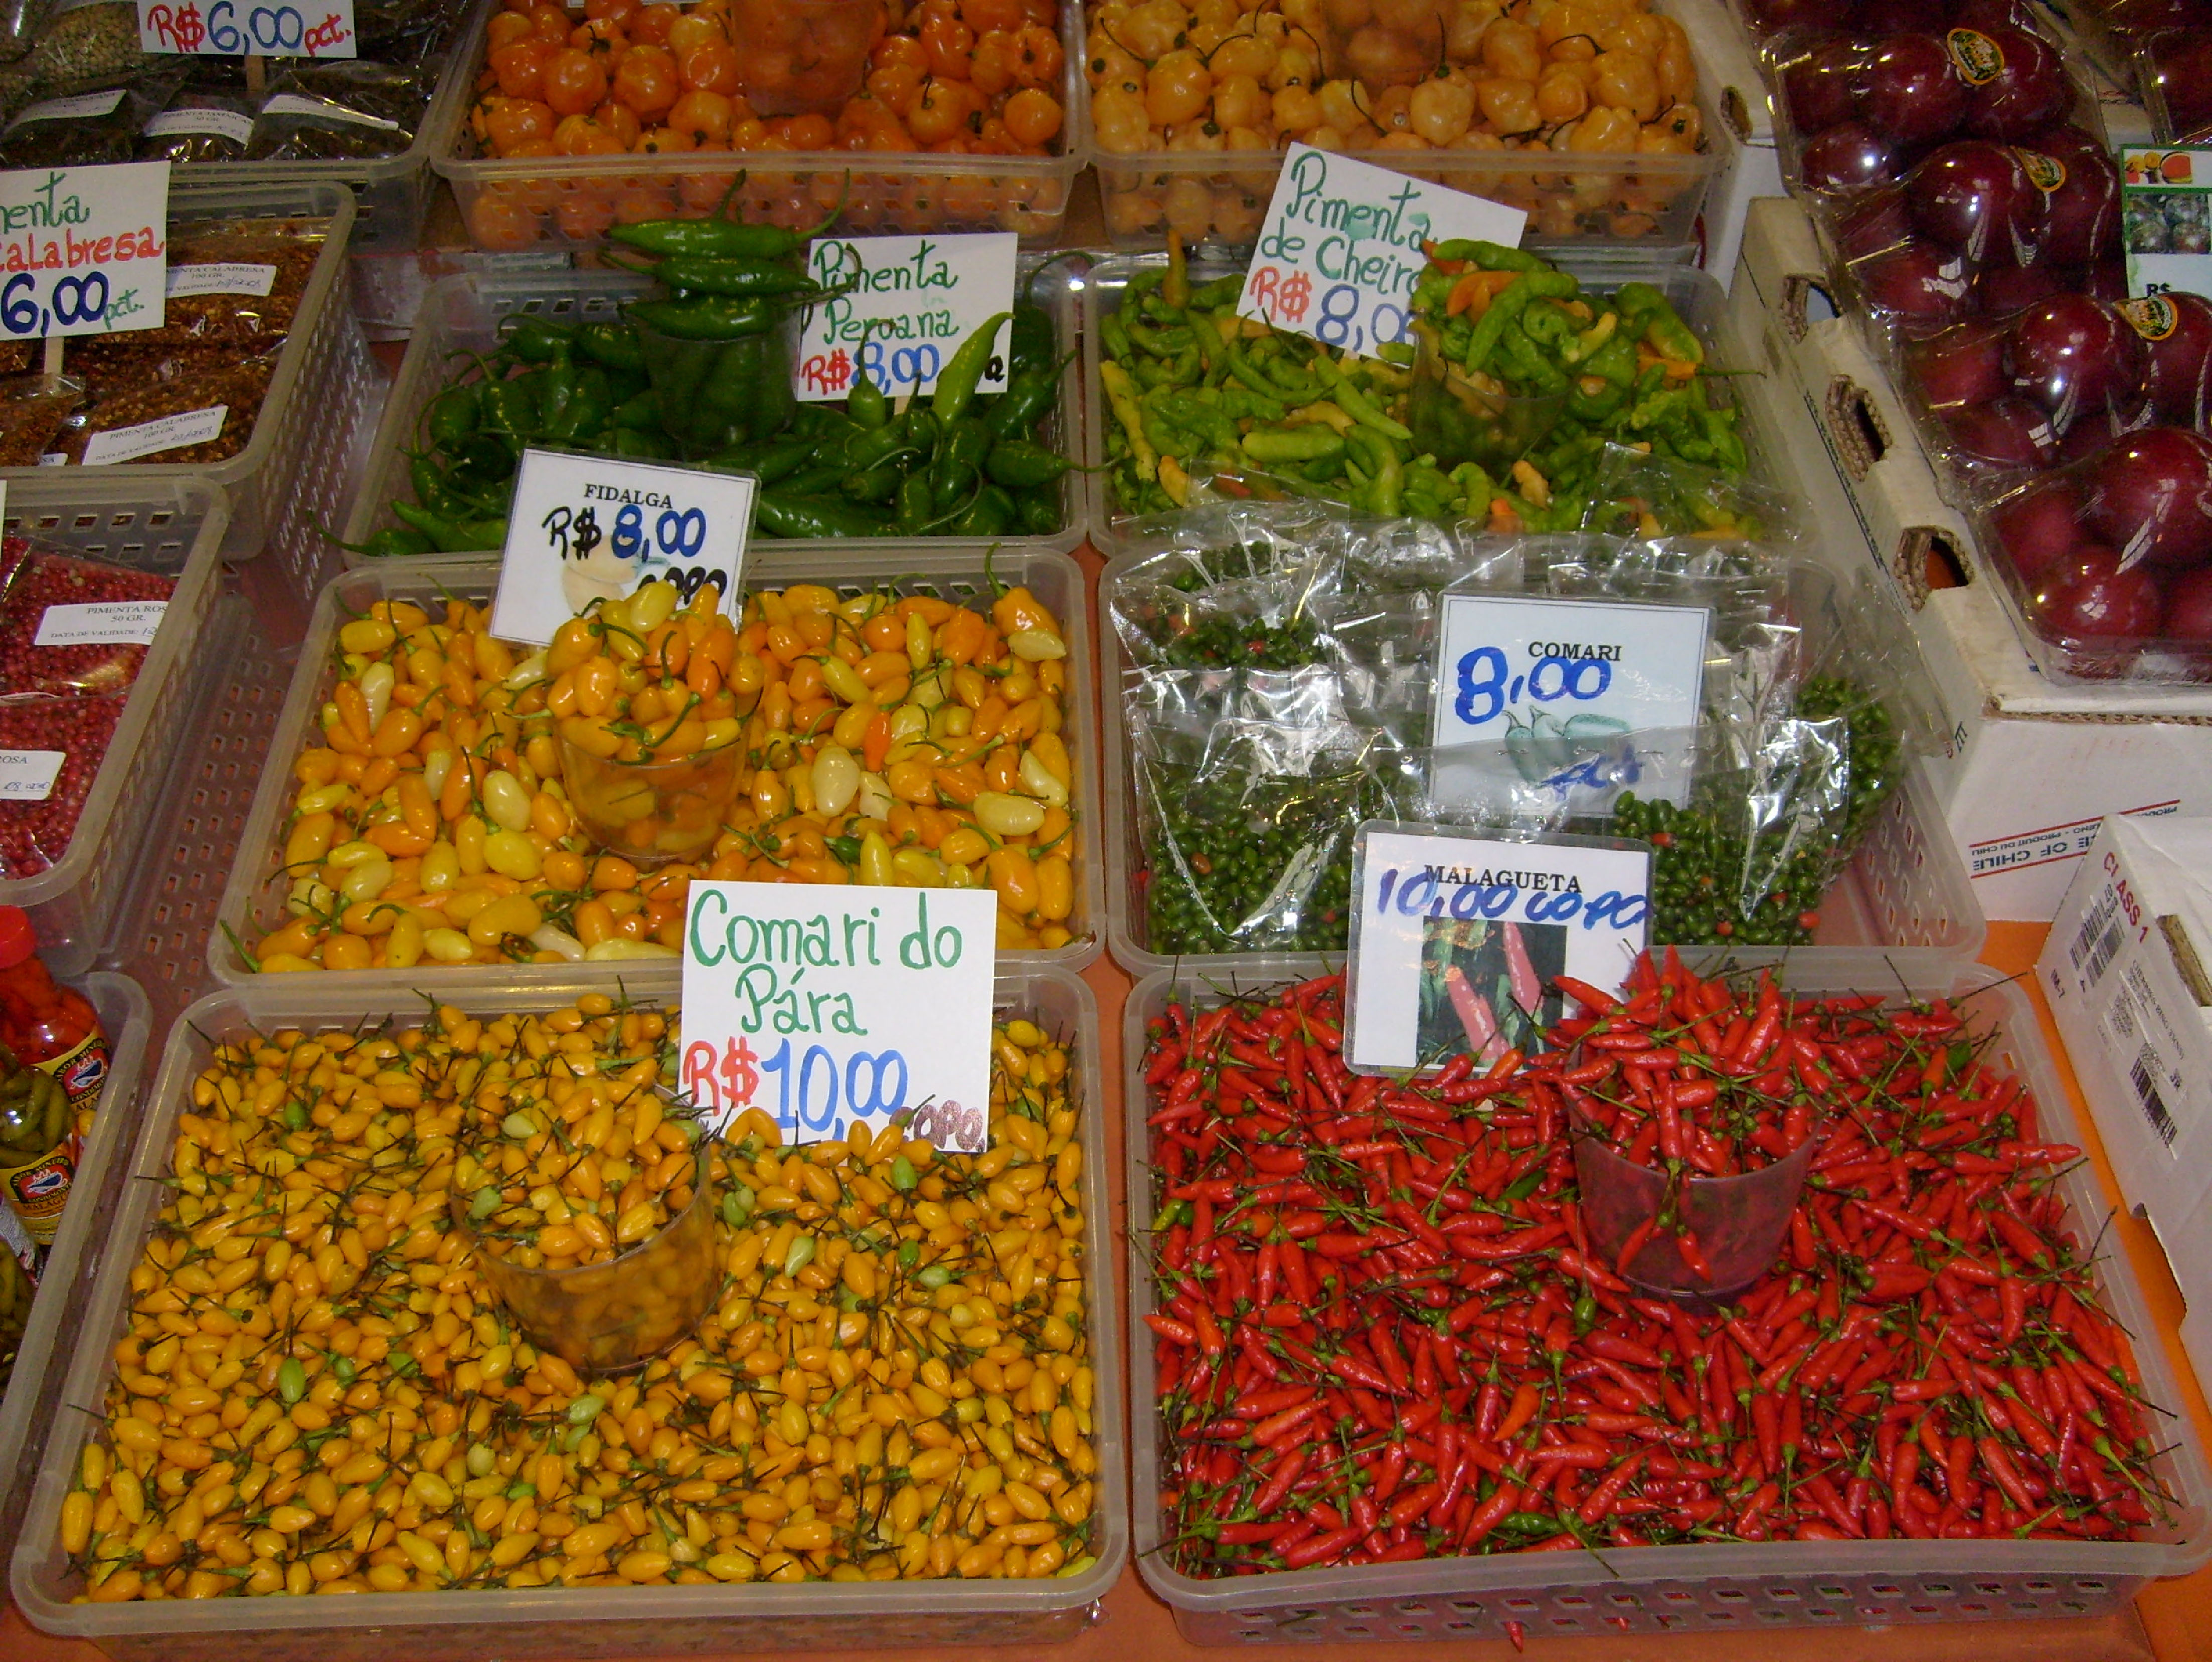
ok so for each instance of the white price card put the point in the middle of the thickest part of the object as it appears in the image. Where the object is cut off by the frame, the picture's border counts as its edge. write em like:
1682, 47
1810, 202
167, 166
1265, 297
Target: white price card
1340, 249
241, 28
912, 301
83, 251
586, 528
1458, 939
2165, 228
825, 1008
29, 775
1527, 686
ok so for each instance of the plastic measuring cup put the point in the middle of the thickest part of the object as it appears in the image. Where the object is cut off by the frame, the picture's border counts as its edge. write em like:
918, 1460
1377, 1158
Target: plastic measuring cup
603, 1318
1739, 1222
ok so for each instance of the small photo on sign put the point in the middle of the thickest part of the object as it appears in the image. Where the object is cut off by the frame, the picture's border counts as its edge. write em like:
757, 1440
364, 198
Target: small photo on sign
1486, 987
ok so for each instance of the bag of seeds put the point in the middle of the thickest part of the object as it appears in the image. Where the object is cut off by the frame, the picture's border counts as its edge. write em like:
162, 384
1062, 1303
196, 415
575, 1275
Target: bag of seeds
343, 110
33, 411
90, 43
1246, 832
84, 130
72, 625
66, 739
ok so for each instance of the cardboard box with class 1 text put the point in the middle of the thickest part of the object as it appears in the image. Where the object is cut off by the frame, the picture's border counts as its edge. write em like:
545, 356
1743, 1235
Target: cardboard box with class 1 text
2128, 970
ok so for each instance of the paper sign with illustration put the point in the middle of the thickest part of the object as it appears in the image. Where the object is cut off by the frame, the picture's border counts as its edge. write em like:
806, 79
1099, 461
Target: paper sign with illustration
1533, 689
2165, 227
1457, 939
825, 1007
586, 528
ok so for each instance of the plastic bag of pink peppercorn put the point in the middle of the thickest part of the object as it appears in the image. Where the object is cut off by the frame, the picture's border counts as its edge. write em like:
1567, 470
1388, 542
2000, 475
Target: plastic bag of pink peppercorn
51, 750
70, 625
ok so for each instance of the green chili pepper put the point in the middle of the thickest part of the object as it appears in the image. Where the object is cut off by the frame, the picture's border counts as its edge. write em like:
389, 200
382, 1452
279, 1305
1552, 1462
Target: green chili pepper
914, 504
509, 408
1039, 510
1030, 343
816, 517
718, 239
878, 484
991, 514
865, 404
1355, 403
1018, 465
641, 447
612, 345
1316, 442
536, 340
706, 274
712, 319
454, 413
576, 403
956, 381
1386, 474
1027, 400
1114, 334
1489, 255
453, 536
959, 453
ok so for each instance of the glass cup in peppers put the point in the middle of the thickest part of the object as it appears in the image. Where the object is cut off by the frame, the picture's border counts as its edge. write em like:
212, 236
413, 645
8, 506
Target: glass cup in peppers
649, 726
1693, 1134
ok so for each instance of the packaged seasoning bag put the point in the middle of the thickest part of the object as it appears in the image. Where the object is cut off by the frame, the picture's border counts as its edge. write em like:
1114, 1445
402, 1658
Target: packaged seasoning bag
84, 130
51, 750
93, 43
235, 284
194, 421
20, 20
340, 111
199, 125
72, 625
33, 413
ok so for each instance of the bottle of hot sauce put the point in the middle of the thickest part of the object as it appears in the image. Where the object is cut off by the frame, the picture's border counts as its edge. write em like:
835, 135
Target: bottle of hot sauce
51, 1027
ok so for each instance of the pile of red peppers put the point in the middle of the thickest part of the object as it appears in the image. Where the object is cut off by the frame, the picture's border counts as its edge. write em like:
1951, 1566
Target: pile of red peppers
1380, 1333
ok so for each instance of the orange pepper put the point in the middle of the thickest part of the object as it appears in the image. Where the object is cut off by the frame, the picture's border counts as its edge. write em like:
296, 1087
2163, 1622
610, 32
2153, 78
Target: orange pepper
876, 742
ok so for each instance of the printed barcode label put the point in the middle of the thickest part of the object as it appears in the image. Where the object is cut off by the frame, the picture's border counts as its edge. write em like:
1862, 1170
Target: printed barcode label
2099, 937
2143, 1075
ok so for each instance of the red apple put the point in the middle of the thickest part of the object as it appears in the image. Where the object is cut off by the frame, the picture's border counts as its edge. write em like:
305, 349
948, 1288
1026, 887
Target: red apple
2002, 290
2096, 597
1911, 94
2177, 334
2189, 607
1963, 365
2081, 215
2071, 355
2038, 527
2028, 91
1847, 157
2150, 496
2007, 432
1925, 286
1821, 87
1976, 199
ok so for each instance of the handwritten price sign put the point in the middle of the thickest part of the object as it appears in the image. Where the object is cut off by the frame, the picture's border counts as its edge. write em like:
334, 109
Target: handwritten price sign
908, 303
85, 250
825, 1009
1340, 249
227, 30
593, 527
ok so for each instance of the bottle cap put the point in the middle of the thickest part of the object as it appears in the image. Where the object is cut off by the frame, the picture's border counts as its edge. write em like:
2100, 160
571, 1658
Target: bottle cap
18, 940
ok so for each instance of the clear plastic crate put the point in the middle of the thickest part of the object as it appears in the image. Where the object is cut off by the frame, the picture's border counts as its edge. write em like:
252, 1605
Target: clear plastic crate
33, 1395
291, 475
512, 205
1907, 890
167, 524
254, 901
392, 193
468, 1626
1646, 204
1695, 294
1720, 1588
463, 314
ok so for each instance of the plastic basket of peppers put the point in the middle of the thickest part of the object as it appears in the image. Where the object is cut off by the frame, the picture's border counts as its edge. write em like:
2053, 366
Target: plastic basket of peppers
689, 362
1382, 1362
1500, 408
